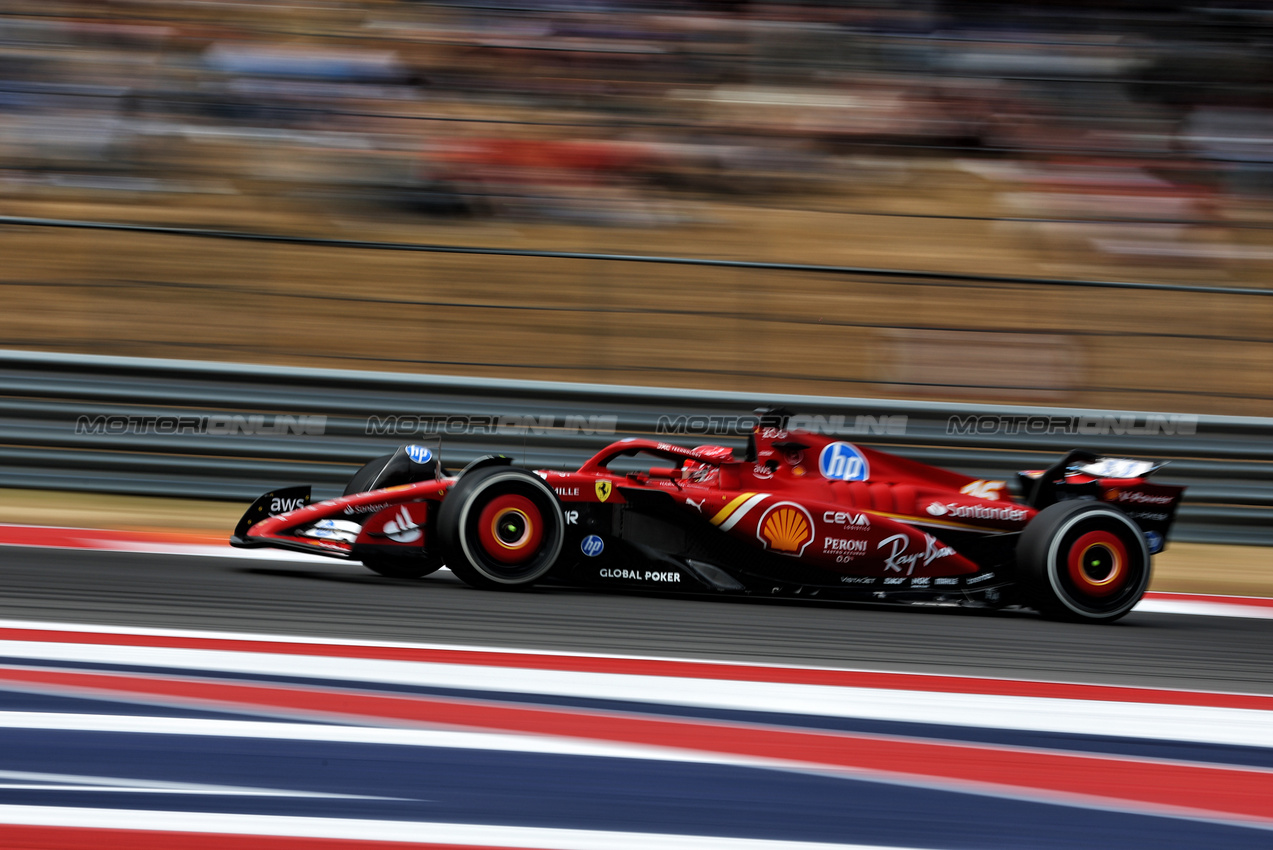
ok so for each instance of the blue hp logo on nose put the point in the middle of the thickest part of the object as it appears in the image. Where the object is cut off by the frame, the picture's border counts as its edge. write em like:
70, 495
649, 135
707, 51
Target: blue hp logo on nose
843, 462
1154, 541
419, 454
592, 545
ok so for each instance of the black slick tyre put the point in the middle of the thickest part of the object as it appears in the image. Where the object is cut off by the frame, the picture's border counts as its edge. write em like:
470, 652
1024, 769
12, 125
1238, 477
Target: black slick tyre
363, 479
501, 528
1083, 561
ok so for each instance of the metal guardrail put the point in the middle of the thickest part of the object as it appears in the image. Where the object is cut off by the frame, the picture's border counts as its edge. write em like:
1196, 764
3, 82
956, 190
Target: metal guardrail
54, 431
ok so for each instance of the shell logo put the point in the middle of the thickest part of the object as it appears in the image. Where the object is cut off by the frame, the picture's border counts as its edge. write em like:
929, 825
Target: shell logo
786, 528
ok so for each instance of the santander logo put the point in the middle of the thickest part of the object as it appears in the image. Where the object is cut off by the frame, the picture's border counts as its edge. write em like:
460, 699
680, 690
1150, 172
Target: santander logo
402, 528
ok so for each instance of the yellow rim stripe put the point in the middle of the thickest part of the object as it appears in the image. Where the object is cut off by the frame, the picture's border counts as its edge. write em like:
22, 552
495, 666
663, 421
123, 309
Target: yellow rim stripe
1114, 573
521, 542
728, 509
923, 520
724, 513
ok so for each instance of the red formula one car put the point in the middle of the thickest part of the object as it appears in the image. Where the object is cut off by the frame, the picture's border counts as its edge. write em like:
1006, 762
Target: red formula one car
798, 514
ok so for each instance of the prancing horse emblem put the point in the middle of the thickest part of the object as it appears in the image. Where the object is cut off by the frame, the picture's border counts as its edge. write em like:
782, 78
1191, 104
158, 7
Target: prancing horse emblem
603, 489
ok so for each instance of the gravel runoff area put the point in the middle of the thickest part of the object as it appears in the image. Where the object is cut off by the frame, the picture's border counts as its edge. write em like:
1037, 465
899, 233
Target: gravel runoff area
1182, 568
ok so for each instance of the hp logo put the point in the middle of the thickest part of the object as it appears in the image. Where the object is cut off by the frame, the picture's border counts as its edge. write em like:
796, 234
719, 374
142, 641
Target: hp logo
1154, 541
843, 462
592, 545
419, 454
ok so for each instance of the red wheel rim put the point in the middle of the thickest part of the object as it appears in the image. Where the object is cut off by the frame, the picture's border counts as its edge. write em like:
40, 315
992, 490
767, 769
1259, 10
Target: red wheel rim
510, 529
1098, 563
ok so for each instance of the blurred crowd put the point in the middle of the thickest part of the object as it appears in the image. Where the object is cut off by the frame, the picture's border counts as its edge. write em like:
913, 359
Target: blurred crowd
611, 111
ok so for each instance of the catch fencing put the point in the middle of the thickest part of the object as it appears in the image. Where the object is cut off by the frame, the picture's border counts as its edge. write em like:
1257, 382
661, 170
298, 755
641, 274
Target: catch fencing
193, 429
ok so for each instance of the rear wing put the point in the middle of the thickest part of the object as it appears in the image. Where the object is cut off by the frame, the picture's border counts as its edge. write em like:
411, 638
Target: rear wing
1119, 482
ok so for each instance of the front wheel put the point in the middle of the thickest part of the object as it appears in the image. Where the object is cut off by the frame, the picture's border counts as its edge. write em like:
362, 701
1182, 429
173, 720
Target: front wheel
366, 475
501, 528
1083, 561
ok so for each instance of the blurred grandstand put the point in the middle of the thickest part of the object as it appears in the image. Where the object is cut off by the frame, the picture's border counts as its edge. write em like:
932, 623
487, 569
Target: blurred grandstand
1125, 140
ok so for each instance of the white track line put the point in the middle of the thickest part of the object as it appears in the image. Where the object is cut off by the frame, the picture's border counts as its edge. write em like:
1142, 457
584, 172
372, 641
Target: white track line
1201, 724
1205, 608
342, 734
31, 781
473, 835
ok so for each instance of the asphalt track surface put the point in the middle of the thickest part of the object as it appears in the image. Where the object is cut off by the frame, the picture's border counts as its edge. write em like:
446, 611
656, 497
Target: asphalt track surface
346, 601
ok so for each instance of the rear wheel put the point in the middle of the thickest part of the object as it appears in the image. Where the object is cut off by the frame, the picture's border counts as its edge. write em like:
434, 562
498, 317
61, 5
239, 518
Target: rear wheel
1083, 561
501, 528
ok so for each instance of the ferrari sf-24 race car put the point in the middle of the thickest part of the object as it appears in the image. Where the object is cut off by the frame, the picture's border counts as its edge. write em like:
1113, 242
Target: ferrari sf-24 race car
799, 514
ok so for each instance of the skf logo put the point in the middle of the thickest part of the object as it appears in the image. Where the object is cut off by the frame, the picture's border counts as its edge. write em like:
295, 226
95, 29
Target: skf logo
786, 528
603, 489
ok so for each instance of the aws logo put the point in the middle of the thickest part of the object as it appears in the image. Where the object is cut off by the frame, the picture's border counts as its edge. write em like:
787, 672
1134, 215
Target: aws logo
786, 528
281, 506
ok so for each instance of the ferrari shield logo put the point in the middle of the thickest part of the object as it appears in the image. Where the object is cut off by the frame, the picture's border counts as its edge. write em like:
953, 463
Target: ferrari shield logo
603, 489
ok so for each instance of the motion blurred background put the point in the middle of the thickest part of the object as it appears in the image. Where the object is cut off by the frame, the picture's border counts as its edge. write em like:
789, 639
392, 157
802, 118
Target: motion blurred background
1055, 141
